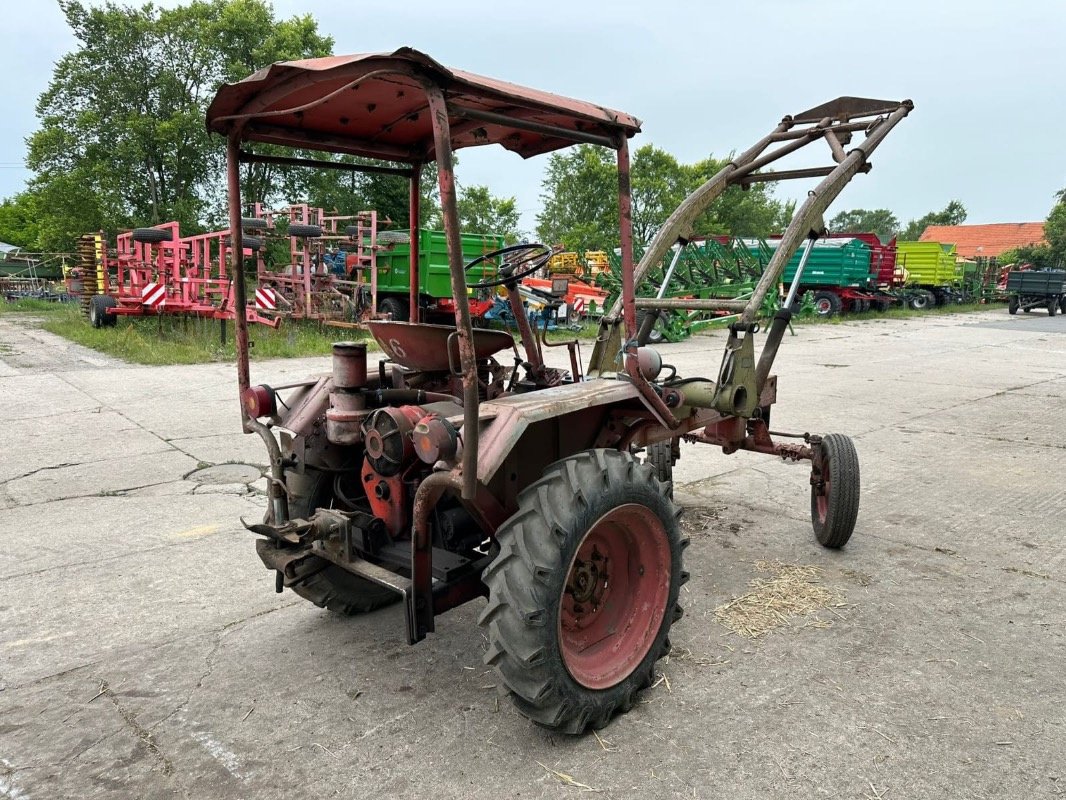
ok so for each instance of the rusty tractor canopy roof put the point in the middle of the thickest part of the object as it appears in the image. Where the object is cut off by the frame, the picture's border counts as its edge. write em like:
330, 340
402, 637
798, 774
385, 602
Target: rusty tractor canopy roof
374, 105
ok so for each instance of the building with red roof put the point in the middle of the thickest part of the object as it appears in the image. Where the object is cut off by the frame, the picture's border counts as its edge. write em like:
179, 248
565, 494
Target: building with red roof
985, 241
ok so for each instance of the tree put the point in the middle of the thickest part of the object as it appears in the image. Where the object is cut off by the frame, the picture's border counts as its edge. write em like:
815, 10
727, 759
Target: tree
18, 221
860, 220
1051, 253
1039, 256
122, 139
1055, 231
481, 212
954, 213
581, 199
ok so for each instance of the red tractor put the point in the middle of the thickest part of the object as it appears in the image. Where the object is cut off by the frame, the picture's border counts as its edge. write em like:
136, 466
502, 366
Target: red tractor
447, 472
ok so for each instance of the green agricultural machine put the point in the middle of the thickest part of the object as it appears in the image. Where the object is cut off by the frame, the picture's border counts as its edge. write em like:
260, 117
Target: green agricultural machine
434, 279
719, 266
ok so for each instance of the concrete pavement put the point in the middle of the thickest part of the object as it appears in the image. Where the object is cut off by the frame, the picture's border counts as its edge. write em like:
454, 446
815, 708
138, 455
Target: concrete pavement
143, 652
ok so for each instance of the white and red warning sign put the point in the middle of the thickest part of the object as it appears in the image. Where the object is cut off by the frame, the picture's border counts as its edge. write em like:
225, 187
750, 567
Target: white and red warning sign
265, 299
579, 306
154, 295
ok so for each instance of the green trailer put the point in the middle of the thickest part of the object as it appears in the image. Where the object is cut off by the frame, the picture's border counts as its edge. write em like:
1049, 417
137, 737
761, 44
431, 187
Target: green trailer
434, 278
838, 274
833, 262
1029, 289
934, 276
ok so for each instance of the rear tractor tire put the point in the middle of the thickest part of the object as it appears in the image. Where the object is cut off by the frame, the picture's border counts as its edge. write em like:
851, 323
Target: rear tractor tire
835, 490
584, 590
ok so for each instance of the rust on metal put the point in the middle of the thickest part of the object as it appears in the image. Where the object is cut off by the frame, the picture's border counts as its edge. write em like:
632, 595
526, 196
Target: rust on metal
233, 180
438, 111
414, 205
309, 104
349, 365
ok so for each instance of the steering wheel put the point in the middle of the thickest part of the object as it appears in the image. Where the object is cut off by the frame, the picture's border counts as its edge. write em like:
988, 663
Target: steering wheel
519, 261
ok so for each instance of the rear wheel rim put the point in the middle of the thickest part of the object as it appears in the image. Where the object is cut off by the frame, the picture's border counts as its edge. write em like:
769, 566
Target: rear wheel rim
823, 306
615, 596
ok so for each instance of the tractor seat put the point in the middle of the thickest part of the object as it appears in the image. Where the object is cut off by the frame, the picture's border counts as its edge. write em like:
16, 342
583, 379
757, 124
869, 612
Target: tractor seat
424, 348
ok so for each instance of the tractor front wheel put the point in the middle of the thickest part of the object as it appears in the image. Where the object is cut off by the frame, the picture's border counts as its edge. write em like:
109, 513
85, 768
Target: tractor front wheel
584, 590
835, 490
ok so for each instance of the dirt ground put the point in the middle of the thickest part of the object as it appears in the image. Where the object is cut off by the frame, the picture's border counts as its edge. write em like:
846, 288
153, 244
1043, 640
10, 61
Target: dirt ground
143, 652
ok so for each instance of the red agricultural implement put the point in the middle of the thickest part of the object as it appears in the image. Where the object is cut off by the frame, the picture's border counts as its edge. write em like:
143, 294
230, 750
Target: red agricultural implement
443, 475
156, 271
312, 285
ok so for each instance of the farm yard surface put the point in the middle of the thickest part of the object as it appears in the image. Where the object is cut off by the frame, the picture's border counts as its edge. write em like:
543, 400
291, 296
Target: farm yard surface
143, 652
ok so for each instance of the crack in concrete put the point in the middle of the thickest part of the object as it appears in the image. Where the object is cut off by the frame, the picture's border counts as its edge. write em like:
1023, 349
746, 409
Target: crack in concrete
105, 493
130, 420
141, 733
52, 676
41, 469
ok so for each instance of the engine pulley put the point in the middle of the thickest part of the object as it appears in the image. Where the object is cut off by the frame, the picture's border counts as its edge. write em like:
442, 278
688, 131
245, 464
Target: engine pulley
387, 438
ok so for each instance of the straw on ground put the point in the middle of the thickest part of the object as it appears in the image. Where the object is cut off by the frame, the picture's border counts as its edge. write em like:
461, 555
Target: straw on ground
793, 590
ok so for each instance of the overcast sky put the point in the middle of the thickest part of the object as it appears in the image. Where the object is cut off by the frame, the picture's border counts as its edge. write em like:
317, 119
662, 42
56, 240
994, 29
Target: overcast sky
709, 77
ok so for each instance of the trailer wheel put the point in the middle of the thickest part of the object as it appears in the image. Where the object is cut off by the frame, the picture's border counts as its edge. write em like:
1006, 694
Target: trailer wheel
1012, 304
1052, 307
584, 590
826, 304
152, 235
882, 305
305, 231
835, 490
1062, 305
919, 301
395, 307
656, 335
98, 316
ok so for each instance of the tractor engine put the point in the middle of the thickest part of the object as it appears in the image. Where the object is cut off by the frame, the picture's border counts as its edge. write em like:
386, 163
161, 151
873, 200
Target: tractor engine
400, 443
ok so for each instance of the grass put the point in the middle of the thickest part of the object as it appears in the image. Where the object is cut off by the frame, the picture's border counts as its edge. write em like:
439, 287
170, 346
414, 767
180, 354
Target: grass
181, 340
190, 340
28, 305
